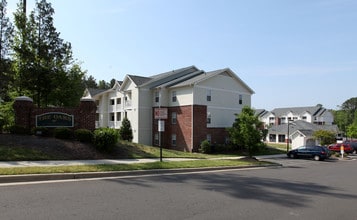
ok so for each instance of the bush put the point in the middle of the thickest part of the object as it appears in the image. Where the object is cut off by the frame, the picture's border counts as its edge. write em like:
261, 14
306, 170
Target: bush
83, 135
63, 133
42, 131
206, 147
125, 131
105, 138
17, 129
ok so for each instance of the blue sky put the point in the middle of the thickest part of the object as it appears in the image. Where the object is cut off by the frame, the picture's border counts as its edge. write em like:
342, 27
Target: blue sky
290, 52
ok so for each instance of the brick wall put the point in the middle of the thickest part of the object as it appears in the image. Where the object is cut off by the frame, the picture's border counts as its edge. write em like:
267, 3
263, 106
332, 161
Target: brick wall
190, 129
26, 111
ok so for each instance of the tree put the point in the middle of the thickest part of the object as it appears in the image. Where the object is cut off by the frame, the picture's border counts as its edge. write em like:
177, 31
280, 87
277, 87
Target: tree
6, 37
352, 129
103, 85
125, 131
345, 116
325, 137
43, 61
90, 82
244, 131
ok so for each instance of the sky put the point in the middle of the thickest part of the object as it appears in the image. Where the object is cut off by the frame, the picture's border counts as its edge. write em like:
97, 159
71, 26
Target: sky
292, 53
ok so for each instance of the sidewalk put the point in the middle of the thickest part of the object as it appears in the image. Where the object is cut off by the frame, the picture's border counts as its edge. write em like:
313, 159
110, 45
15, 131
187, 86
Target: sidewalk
10, 164
46, 163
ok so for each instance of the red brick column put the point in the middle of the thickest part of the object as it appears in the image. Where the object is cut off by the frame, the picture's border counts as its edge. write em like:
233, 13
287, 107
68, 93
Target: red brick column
85, 117
23, 107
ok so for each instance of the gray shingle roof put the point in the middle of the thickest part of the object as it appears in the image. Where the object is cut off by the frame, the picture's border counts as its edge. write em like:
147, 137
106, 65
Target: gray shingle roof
302, 126
313, 110
94, 92
139, 80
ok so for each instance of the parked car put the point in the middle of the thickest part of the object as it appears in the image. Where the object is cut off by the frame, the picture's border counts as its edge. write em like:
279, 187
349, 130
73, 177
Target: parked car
353, 144
315, 152
337, 148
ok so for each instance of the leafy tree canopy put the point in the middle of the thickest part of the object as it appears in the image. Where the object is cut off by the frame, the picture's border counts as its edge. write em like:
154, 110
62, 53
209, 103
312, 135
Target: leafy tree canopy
325, 137
244, 131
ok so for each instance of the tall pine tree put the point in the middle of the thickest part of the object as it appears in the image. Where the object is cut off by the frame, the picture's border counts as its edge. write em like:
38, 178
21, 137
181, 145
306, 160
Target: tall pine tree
6, 37
43, 61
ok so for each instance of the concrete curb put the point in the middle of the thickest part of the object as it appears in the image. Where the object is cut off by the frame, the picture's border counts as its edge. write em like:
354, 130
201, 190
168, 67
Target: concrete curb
88, 175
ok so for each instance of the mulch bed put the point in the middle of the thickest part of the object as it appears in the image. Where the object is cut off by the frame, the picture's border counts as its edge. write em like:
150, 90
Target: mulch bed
57, 148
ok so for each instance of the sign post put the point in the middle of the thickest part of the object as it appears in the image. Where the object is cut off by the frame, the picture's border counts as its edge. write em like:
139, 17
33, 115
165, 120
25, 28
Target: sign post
160, 114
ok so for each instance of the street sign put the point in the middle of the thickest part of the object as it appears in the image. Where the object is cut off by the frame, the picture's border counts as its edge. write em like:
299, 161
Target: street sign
161, 126
160, 113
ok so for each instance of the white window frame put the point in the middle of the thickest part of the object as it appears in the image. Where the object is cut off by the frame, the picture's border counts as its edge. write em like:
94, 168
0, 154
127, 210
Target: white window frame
173, 118
174, 96
173, 140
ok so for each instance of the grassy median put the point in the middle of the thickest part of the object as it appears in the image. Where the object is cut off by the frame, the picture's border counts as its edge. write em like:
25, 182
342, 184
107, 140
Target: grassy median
139, 166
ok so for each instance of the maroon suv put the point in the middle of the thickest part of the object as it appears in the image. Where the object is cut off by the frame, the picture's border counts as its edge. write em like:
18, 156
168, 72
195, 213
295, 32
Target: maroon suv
337, 148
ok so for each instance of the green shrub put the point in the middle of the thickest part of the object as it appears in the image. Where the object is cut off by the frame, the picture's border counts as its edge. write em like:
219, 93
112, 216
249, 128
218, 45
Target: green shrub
125, 131
83, 135
63, 133
17, 129
41, 131
206, 147
105, 138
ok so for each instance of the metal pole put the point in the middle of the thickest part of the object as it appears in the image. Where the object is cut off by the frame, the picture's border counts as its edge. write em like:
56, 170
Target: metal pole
288, 140
159, 123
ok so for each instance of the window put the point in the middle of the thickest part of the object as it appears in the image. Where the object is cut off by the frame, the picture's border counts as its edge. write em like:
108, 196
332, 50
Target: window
97, 116
157, 97
173, 139
174, 98
173, 118
304, 117
240, 99
281, 138
111, 116
118, 101
156, 139
209, 138
209, 95
112, 102
118, 116
208, 118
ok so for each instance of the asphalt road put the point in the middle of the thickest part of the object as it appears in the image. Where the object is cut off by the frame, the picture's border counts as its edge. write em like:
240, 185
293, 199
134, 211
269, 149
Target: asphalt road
301, 189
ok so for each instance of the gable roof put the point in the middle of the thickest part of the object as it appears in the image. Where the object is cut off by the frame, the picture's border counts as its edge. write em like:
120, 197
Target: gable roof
91, 92
139, 80
304, 127
313, 110
171, 76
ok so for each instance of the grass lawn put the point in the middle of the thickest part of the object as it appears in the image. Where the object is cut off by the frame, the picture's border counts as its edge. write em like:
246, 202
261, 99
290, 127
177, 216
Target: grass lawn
125, 167
125, 150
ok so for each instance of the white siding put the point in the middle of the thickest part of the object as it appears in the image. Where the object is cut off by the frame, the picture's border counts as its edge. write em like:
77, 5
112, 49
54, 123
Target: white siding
144, 130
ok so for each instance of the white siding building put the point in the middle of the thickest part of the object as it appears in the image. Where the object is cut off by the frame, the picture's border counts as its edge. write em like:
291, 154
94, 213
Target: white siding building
200, 105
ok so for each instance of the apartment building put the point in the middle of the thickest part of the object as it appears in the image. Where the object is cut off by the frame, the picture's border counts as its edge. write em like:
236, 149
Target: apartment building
186, 105
313, 114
